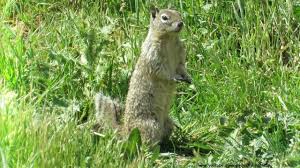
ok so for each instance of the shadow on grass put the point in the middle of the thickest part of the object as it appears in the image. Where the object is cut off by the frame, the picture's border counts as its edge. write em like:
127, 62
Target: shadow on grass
184, 148
181, 146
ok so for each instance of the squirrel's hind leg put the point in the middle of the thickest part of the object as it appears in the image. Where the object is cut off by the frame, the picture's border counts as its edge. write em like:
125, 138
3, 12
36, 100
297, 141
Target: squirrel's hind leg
150, 129
168, 128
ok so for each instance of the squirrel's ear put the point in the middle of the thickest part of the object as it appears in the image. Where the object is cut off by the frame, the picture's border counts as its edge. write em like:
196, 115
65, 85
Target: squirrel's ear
154, 11
170, 6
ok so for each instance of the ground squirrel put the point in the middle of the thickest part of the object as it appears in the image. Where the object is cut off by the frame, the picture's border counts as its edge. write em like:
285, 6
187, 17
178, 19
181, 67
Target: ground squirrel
153, 82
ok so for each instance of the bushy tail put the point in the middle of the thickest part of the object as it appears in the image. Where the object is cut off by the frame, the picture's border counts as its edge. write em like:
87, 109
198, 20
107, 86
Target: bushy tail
108, 111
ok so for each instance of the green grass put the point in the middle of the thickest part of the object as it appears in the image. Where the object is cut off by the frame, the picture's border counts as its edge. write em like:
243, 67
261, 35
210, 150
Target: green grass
242, 109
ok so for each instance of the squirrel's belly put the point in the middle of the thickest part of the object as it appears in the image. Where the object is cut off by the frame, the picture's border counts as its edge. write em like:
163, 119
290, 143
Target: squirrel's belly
163, 94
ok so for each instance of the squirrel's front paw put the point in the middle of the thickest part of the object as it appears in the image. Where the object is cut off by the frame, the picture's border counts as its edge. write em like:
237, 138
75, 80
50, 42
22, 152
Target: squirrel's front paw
181, 78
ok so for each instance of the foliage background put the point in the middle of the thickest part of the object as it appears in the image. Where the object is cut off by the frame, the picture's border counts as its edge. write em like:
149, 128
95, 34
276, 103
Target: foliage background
243, 107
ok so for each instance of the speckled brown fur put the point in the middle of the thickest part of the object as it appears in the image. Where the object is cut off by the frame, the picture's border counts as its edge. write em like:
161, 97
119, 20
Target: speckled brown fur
153, 82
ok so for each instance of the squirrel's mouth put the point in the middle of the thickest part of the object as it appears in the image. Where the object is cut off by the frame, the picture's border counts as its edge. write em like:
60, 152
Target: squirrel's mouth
177, 29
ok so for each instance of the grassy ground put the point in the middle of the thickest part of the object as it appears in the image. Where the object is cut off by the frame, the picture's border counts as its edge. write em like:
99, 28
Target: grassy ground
242, 109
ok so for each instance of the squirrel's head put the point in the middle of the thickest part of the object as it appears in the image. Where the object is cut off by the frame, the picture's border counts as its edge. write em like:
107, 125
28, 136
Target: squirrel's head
165, 21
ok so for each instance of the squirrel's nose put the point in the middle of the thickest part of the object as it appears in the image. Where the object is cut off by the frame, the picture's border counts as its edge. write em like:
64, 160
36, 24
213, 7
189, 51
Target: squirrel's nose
180, 24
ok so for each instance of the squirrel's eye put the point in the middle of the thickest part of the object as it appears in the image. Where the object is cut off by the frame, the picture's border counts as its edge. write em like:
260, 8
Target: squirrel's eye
164, 17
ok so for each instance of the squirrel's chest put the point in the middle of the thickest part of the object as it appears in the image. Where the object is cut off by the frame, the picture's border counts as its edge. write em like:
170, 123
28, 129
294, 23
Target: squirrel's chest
171, 55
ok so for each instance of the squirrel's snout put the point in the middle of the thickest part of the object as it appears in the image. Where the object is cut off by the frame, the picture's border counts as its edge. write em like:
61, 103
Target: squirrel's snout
180, 24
